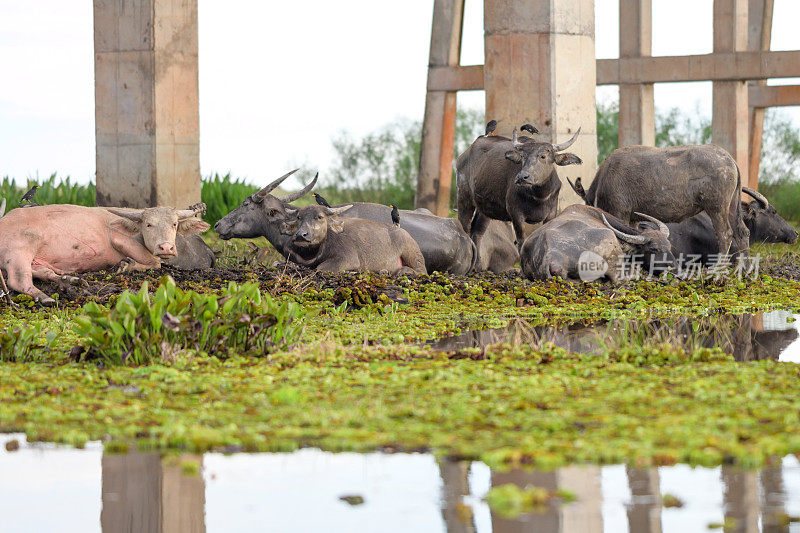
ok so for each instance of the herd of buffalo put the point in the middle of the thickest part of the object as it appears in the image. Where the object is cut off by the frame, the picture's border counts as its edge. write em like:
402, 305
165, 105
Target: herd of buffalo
660, 204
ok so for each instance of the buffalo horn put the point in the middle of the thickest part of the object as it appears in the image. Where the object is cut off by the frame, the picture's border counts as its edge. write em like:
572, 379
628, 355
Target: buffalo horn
131, 214
663, 228
302, 192
268, 189
757, 195
632, 239
337, 210
2, 208
563, 146
514, 140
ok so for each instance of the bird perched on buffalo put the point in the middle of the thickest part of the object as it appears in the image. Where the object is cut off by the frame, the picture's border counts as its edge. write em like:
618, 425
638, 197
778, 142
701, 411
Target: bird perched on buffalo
395, 215
320, 200
529, 128
490, 127
28, 196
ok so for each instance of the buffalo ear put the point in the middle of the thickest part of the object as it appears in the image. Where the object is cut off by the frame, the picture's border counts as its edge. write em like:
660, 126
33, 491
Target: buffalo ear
192, 225
336, 224
514, 156
126, 225
567, 159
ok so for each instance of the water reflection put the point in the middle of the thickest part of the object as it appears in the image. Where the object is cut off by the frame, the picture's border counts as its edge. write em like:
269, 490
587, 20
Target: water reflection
747, 337
401, 492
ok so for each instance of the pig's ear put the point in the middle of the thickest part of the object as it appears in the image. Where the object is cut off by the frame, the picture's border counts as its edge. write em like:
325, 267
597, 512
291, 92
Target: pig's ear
192, 225
335, 224
126, 225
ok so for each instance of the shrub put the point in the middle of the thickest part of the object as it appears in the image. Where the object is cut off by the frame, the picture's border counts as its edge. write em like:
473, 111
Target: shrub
141, 329
17, 345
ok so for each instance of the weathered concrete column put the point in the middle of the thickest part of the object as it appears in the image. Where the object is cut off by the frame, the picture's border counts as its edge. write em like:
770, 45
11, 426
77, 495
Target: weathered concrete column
540, 68
759, 38
146, 102
439, 123
729, 125
637, 122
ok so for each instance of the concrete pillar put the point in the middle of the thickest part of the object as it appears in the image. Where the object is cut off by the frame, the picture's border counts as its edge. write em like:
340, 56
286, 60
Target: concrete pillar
637, 122
540, 68
146, 102
439, 122
759, 37
729, 125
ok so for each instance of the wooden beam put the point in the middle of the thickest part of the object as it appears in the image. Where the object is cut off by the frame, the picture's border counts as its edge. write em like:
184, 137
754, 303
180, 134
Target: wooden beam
731, 66
455, 78
637, 110
759, 37
730, 112
438, 126
774, 96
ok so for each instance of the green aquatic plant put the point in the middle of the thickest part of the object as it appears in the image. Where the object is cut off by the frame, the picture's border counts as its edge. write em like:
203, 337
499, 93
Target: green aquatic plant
510, 501
142, 329
21, 344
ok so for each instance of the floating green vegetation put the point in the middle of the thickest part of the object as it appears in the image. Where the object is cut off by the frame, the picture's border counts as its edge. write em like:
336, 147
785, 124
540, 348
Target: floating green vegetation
510, 501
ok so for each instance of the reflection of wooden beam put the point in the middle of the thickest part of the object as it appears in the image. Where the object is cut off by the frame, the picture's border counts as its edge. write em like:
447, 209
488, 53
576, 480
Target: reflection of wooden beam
732, 66
740, 498
774, 96
759, 37
644, 511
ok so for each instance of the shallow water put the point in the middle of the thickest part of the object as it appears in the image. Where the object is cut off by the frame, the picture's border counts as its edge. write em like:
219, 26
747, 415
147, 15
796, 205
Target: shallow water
773, 335
45, 487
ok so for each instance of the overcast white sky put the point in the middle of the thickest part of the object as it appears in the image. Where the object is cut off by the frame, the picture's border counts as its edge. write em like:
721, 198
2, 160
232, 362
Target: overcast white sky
278, 79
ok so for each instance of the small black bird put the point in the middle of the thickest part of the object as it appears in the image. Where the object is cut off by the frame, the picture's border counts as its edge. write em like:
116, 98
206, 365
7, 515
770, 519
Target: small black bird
28, 196
490, 127
321, 201
395, 215
529, 128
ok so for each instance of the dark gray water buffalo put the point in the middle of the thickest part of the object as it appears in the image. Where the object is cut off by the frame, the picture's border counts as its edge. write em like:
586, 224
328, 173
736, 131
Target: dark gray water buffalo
673, 184
327, 243
509, 179
444, 244
262, 214
695, 236
497, 251
584, 242
193, 253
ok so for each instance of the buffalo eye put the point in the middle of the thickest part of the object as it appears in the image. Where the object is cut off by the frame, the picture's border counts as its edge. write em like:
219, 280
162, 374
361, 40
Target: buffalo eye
273, 213
149, 225
542, 157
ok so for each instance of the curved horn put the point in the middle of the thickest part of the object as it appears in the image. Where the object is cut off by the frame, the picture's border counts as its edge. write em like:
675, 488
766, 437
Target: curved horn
757, 195
194, 210
3, 208
131, 214
632, 239
302, 192
663, 228
514, 140
337, 210
563, 146
268, 189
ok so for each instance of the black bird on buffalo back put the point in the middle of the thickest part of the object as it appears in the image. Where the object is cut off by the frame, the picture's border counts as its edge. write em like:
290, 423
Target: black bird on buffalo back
490, 127
395, 215
529, 128
320, 200
28, 196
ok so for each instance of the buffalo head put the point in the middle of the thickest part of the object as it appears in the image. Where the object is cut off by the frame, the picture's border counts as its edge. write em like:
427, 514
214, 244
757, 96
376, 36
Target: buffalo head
309, 226
764, 222
159, 226
261, 213
537, 159
650, 239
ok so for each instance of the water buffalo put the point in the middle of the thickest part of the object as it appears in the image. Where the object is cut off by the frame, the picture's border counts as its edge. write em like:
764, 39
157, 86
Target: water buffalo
327, 243
509, 179
193, 253
497, 250
262, 214
443, 243
52, 241
673, 184
584, 234
695, 236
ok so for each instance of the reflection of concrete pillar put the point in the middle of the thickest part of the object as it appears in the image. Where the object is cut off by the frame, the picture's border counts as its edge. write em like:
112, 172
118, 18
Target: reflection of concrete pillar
773, 505
584, 514
146, 102
743, 338
141, 493
457, 517
644, 513
540, 68
740, 499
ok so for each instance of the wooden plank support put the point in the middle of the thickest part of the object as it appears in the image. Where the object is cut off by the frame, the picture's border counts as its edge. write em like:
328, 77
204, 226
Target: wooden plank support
733, 66
637, 110
730, 112
438, 125
774, 96
469, 78
540, 69
759, 37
